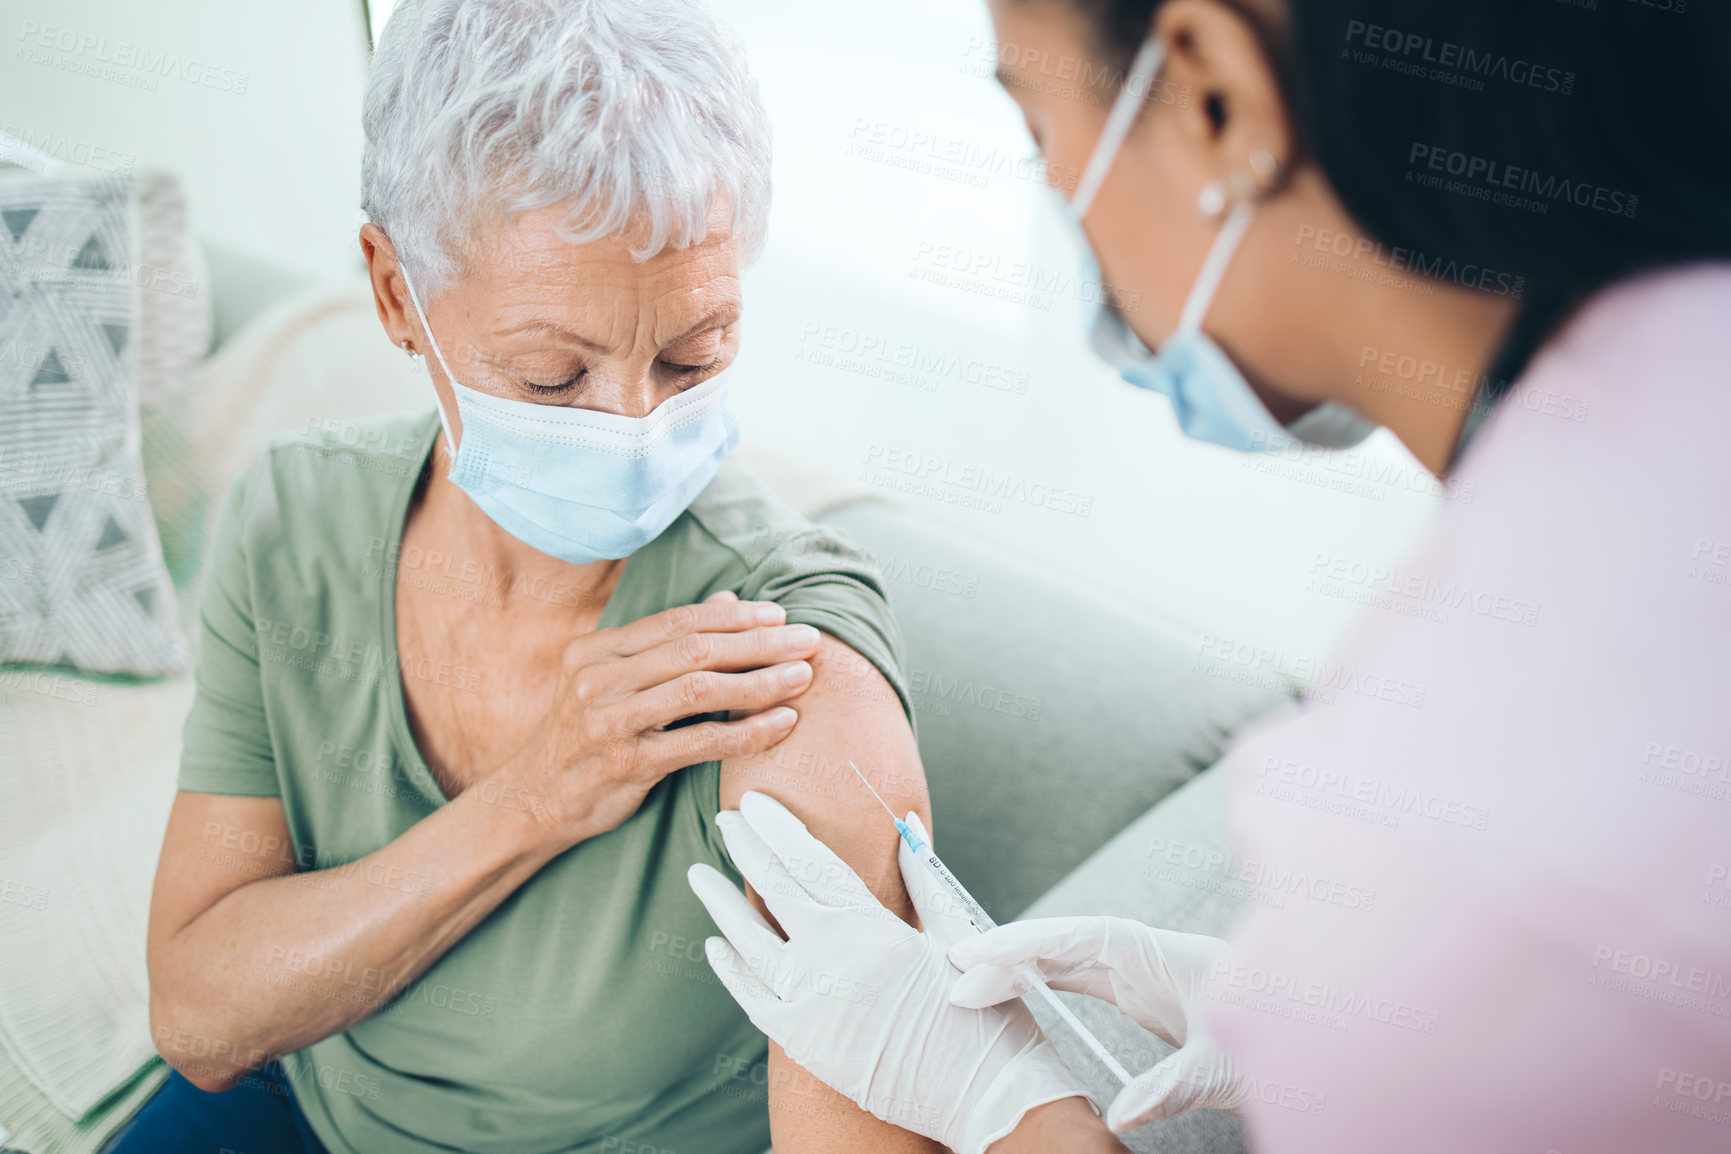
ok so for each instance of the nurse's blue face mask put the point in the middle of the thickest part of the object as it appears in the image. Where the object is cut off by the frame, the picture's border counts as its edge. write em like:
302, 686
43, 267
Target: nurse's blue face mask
1210, 398
582, 485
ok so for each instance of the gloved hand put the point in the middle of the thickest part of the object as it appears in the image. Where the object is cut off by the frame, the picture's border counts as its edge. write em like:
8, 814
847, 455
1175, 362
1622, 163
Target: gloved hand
1155, 976
860, 998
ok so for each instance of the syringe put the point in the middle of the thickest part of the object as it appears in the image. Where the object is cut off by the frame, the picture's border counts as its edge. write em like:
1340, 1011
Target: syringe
982, 922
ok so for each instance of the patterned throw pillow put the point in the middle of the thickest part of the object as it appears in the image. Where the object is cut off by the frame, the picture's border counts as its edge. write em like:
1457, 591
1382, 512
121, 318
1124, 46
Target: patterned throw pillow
82, 583
174, 314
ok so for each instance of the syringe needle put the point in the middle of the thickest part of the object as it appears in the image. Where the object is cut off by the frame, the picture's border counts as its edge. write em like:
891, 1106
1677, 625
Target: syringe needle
983, 922
875, 793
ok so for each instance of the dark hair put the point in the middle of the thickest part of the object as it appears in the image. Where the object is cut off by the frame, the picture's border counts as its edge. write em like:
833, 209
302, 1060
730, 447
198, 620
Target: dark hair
1570, 143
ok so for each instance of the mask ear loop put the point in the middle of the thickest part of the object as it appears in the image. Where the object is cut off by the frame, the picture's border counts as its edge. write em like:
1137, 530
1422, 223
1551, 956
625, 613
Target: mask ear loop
1214, 268
450, 441
1137, 85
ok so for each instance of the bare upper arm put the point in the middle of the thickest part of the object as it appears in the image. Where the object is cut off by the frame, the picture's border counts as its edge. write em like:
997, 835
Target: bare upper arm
849, 712
215, 844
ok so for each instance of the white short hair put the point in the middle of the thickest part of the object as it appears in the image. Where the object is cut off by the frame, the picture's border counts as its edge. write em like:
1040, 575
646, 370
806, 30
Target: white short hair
638, 113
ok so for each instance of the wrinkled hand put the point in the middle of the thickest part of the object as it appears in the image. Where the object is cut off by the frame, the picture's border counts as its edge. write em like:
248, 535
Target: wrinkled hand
605, 742
861, 999
1155, 976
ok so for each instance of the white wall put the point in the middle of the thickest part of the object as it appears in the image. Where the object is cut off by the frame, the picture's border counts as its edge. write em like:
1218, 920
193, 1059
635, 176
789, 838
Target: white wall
255, 105
895, 155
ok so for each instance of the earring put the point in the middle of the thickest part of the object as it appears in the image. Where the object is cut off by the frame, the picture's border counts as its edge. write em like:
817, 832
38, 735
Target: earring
413, 355
1242, 185
1212, 202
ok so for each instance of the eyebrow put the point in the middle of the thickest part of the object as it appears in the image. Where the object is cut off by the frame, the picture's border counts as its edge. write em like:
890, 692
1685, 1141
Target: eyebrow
548, 328
716, 318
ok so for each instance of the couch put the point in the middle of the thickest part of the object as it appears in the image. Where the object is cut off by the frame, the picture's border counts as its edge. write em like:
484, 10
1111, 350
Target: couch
1067, 736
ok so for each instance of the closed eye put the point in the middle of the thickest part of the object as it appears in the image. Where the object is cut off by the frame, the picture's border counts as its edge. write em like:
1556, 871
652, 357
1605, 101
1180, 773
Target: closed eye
681, 370
551, 390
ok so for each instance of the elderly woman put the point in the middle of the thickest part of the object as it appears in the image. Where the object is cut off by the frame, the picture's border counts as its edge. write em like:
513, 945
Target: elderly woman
424, 886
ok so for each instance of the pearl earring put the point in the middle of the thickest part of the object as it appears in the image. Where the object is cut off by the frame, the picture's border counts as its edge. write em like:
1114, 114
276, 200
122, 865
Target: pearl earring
1212, 202
1242, 185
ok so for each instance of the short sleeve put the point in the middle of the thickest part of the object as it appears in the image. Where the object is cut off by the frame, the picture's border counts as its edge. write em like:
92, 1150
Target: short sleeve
225, 744
826, 581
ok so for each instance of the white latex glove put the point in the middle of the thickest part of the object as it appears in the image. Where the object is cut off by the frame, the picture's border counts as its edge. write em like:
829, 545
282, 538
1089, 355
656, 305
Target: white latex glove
1155, 976
861, 999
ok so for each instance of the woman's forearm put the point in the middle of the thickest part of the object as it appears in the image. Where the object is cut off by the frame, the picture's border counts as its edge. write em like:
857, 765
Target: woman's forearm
285, 961
243, 972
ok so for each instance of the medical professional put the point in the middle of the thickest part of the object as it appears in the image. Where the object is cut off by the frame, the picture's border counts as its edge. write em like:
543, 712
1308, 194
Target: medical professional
1501, 231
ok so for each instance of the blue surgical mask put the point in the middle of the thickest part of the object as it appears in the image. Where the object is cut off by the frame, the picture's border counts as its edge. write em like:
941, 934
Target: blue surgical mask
582, 485
1210, 398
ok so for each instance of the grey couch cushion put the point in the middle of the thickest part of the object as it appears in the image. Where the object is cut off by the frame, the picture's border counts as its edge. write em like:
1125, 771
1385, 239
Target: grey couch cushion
1173, 869
1049, 716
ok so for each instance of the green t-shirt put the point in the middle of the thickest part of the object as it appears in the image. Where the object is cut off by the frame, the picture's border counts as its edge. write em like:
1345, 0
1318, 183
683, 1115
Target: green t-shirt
581, 1015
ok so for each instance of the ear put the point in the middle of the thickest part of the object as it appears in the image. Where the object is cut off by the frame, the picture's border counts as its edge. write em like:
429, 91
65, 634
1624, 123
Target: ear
1231, 108
397, 315
390, 290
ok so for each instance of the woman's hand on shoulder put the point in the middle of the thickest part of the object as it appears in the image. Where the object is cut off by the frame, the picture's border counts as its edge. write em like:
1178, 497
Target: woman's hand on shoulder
606, 742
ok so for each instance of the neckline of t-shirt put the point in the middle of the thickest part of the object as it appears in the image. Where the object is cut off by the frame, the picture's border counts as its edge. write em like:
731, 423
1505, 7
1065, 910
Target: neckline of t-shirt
396, 702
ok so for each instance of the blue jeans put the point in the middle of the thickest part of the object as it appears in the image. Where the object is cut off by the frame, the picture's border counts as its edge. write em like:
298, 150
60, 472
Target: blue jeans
259, 1116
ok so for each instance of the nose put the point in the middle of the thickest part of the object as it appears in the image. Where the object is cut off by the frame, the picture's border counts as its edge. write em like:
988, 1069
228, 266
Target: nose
625, 392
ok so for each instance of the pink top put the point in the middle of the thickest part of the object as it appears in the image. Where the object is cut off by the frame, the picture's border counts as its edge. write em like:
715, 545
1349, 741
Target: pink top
1517, 934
